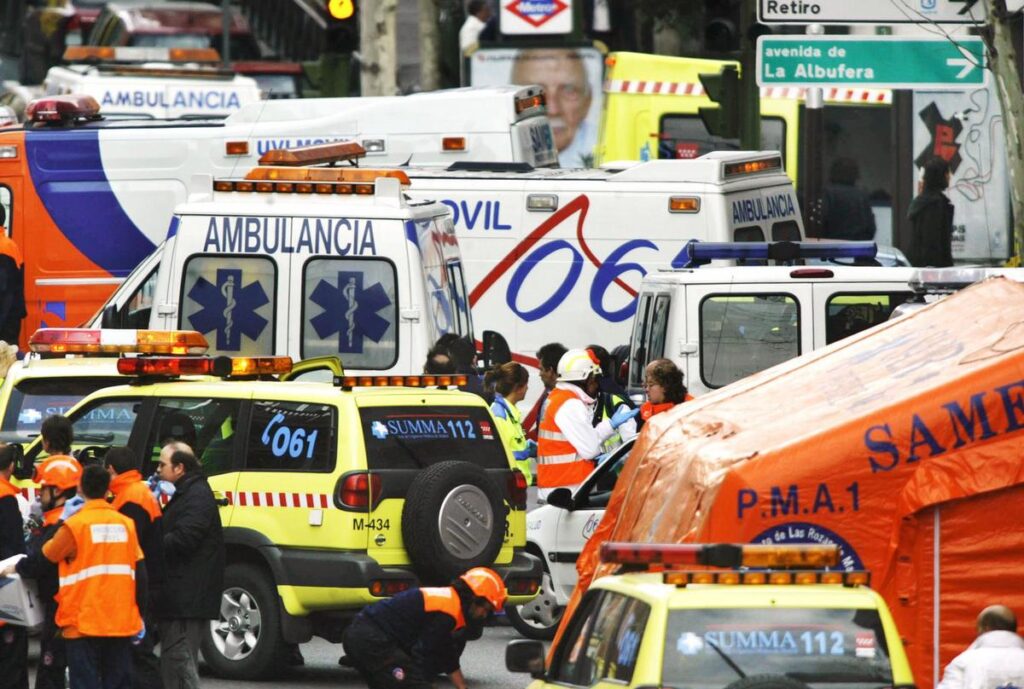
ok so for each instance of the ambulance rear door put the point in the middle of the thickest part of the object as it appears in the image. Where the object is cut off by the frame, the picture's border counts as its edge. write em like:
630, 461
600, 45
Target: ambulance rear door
228, 277
738, 329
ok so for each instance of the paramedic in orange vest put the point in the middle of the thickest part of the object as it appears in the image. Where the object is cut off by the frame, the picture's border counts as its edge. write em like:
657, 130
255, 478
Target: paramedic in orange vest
102, 587
406, 641
13, 640
133, 498
567, 442
12, 285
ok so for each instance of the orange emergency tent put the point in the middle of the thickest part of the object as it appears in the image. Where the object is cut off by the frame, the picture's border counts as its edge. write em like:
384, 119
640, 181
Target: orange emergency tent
904, 445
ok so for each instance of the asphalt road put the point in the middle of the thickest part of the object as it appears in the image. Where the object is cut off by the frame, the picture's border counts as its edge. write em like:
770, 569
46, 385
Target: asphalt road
483, 663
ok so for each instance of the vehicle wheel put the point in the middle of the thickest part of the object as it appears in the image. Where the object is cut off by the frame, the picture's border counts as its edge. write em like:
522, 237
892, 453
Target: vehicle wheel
538, 619
453, 519
767, 682
245, 641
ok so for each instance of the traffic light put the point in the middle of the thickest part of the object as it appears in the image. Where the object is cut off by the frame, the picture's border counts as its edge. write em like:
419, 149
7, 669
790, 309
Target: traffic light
723, 119
342, 26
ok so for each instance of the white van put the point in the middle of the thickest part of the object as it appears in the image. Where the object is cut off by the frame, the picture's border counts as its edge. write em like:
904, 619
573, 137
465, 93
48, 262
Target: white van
722, 323
350, 269
159, 83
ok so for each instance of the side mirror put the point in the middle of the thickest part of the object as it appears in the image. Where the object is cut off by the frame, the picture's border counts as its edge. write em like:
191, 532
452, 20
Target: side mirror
525, 655
109, 318
495, 349
561, 498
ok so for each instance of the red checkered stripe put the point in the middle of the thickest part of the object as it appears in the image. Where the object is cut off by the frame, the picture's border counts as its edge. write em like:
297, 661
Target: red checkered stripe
678, 88
268, 499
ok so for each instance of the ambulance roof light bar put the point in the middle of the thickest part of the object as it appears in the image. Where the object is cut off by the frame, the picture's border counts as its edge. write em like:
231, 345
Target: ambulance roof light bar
414, 381
107, 341
743, 168
221, 366
733, 577
95, 54
319, 154
697, 253
62, 109
948, 280
728, 555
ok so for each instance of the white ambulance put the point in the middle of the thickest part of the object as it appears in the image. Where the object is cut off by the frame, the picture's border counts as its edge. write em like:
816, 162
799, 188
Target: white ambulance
160, 83
722, 323
343, 266
559, 254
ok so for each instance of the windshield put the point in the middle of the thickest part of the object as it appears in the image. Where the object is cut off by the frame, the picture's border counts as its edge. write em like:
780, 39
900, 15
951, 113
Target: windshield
34, 400
821, 647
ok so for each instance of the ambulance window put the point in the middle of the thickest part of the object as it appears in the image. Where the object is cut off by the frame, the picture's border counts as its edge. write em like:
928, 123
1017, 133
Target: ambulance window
350, 309
684, 136
7, 214
741, 334
230, 299
457, 286
206, 425
659, 328
848, 314
602, 642
34, 399
748, 234
137, 308
638, 344
107, 422
291, 436
786, 231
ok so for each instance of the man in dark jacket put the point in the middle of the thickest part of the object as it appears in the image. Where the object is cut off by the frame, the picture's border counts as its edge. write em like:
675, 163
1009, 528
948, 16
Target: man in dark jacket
13, 640
133, 499
194, 561
931, 219
12, 285
846, 210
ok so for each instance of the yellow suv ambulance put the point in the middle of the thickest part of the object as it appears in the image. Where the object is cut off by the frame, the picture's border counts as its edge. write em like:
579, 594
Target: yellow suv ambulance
331, 496
773, 619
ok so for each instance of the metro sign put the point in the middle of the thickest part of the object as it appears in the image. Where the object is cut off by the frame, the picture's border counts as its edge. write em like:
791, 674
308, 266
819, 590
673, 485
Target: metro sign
536, 17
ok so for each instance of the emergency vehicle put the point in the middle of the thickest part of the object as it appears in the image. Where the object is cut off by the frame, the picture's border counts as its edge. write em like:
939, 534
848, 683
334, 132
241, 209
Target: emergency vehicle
306, 261
332, 496
723, 323
722, 615
537, 244
152, 82
98, 193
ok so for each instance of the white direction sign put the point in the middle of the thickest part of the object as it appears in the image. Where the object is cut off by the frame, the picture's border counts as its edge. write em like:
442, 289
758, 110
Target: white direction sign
870, 11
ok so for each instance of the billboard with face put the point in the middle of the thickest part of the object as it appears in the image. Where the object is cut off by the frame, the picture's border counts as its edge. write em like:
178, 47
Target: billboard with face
571, 78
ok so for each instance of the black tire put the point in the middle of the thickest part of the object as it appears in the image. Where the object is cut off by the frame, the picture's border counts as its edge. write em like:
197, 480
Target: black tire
767, 682
532, 629
261, 653
441, 493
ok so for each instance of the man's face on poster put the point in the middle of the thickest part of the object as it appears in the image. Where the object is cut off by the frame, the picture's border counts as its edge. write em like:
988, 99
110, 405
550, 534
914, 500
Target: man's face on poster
564, 79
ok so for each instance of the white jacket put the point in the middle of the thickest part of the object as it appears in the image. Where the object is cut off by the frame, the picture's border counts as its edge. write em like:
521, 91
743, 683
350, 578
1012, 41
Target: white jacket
994, 661
574, 420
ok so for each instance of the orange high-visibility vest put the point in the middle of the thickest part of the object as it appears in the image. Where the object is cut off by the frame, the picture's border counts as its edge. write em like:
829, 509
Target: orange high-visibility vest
444, 600
129, 487
97, 586
558, 463
7, 490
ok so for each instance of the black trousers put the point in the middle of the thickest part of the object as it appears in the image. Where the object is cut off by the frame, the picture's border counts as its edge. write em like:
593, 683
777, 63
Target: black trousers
382, 664
53, 659
100, 662
13, 657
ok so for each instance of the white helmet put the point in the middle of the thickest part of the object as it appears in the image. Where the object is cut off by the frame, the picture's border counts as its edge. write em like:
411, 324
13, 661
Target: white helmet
577, 365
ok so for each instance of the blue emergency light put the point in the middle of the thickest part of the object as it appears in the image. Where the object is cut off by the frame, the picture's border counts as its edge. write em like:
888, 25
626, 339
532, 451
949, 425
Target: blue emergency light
697, 253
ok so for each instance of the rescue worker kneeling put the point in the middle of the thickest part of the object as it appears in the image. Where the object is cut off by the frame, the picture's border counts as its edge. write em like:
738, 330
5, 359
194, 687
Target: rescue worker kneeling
408, 640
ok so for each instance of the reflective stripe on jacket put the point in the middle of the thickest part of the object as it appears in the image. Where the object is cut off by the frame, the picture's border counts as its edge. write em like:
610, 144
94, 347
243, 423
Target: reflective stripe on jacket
558, 463
444, 600
97, 585
510, 426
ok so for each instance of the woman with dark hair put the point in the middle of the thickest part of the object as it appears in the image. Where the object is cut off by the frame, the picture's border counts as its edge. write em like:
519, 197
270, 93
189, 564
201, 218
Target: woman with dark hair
508, 383
665, 388
931, 219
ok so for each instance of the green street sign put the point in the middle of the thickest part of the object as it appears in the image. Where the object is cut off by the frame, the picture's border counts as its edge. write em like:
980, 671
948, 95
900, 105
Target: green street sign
872, 61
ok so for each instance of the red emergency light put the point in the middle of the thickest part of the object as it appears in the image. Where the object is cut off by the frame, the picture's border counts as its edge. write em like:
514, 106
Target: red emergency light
67, 108
112, 341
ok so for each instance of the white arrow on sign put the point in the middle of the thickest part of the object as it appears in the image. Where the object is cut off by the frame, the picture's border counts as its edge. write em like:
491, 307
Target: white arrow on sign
963, 63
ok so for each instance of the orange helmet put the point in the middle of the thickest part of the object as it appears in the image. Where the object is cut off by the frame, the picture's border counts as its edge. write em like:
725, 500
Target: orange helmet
485, 583
60, 472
